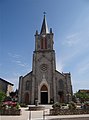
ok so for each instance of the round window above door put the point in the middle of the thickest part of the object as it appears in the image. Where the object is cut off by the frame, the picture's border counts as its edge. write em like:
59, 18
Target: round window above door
44, 67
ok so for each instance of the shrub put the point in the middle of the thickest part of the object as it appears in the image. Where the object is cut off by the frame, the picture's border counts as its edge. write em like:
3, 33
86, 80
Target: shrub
56, 105
17, 106
10, 105
2, 96
72, 105
63, 104
23, 105
85, 105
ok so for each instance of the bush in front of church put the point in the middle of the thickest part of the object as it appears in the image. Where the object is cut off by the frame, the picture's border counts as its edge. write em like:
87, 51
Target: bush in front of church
72, 105
56, 105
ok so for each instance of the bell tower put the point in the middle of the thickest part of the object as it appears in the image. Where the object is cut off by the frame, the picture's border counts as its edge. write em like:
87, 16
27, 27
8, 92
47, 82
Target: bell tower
44, 40
44, 64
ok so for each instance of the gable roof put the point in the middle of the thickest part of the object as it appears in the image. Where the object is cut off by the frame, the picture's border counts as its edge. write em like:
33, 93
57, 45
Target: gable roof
6, 82
30, 73
60, 73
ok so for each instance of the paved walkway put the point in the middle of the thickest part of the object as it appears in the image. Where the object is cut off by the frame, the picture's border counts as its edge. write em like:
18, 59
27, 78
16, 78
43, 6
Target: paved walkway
38, 115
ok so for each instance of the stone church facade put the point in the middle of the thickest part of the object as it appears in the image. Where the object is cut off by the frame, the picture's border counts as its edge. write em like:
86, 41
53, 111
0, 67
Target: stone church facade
44, 83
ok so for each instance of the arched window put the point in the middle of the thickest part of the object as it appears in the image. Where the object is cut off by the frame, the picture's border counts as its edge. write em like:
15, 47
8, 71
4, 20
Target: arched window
61, 84
41, 43
44, 43
61, 91
27, 87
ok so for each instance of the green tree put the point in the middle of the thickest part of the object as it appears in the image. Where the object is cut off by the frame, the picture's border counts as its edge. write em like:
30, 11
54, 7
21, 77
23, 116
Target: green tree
2, 96
83, 96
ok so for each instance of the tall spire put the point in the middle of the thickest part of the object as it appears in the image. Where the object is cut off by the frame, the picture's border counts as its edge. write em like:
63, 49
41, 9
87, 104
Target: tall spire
44, 28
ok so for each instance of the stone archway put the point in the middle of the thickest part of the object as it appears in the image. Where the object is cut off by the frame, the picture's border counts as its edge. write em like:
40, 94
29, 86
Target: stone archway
44, 94
26, 98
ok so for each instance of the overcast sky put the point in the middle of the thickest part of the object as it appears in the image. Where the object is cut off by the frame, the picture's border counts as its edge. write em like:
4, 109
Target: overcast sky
69, 19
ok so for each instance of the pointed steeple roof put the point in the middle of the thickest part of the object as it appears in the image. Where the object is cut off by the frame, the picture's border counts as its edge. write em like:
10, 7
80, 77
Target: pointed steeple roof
44, 28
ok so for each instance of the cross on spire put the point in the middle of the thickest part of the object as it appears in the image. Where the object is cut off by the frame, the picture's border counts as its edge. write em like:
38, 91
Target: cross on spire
44, 13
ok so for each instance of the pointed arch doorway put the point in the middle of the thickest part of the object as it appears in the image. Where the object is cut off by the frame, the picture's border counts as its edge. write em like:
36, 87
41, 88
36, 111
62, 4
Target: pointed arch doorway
44, 94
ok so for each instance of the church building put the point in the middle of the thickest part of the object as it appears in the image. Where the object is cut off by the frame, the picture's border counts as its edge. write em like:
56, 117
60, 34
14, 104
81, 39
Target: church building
44, 83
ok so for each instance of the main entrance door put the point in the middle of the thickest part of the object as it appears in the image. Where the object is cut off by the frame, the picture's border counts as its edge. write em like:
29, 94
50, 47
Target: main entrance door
44, 95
